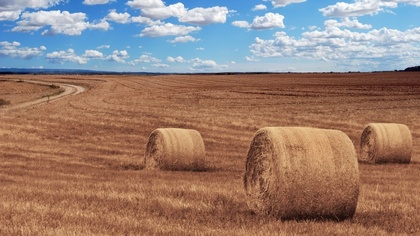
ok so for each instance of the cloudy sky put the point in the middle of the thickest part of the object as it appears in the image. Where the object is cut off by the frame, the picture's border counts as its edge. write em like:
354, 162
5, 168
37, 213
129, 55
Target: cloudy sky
210, 36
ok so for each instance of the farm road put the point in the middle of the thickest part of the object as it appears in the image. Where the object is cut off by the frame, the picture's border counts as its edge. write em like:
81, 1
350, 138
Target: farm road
69, 89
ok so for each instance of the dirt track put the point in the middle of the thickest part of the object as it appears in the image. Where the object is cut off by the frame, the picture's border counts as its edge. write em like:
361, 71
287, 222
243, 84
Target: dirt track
69, 89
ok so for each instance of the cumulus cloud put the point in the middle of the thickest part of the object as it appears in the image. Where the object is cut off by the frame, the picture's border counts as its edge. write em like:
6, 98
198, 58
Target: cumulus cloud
160, 13
118, 56
157, 10
167, 29
13, 49
97, 2
198, 64
268, 21
259, 7
205, 16
363, 7
175, 59
184, 39
65, 56
9, 15
145, 20
283, 3
142, 4
59, 23
160, 65
346, 23
206, 65
70, 56
11, 10
121, 18
145, 58
241, 24
93, 54
343, 46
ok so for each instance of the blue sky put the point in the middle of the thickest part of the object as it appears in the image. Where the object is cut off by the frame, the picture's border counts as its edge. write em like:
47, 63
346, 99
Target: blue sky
210, 36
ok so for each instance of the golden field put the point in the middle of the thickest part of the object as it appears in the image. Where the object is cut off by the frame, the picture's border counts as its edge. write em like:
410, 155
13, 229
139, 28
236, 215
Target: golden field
74, 166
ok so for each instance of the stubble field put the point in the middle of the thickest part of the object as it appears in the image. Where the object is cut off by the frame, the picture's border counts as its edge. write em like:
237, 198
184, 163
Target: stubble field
74, 166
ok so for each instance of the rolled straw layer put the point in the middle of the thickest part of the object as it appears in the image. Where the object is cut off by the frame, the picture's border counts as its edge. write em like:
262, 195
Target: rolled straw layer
175, 149
386, 143
302, 173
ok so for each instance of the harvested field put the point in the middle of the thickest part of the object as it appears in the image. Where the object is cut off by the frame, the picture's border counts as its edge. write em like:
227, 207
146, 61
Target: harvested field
75, 165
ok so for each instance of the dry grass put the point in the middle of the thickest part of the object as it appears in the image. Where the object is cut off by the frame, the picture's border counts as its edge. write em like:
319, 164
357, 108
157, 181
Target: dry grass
386, 142
302, 173
175, 149
75, 165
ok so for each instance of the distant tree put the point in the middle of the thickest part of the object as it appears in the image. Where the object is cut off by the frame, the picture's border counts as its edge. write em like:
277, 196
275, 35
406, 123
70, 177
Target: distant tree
413, 68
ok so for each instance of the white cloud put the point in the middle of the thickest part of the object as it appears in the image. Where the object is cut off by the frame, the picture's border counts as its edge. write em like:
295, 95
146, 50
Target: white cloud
283, 3
10, 10
103, 46
70, 56
59, 22
157, 10
160, 13
145, 20
167, 29
241, 24
268, 21
206, 65
347, 23
259, 7
141, 4
205, 16
93, 54
145, 58
358, 8
250, 58
363, 7
200, 49
65, 56
175, 59
148, 59
121, 18
184, 39
13, 49
160, 65
118, 56
97, 2
9, 15
386, 46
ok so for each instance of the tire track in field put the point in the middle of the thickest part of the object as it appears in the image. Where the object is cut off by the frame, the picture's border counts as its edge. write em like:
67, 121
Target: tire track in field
69, 89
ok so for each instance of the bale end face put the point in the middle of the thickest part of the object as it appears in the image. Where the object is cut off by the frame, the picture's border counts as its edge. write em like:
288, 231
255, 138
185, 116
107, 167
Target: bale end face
385, 143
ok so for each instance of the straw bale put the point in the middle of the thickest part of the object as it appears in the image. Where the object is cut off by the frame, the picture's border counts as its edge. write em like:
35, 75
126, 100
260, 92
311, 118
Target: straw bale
386, 143
302, 173
175, 149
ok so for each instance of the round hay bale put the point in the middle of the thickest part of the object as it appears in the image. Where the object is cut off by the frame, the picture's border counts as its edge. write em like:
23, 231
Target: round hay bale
175, 149
386, 143
302, 173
